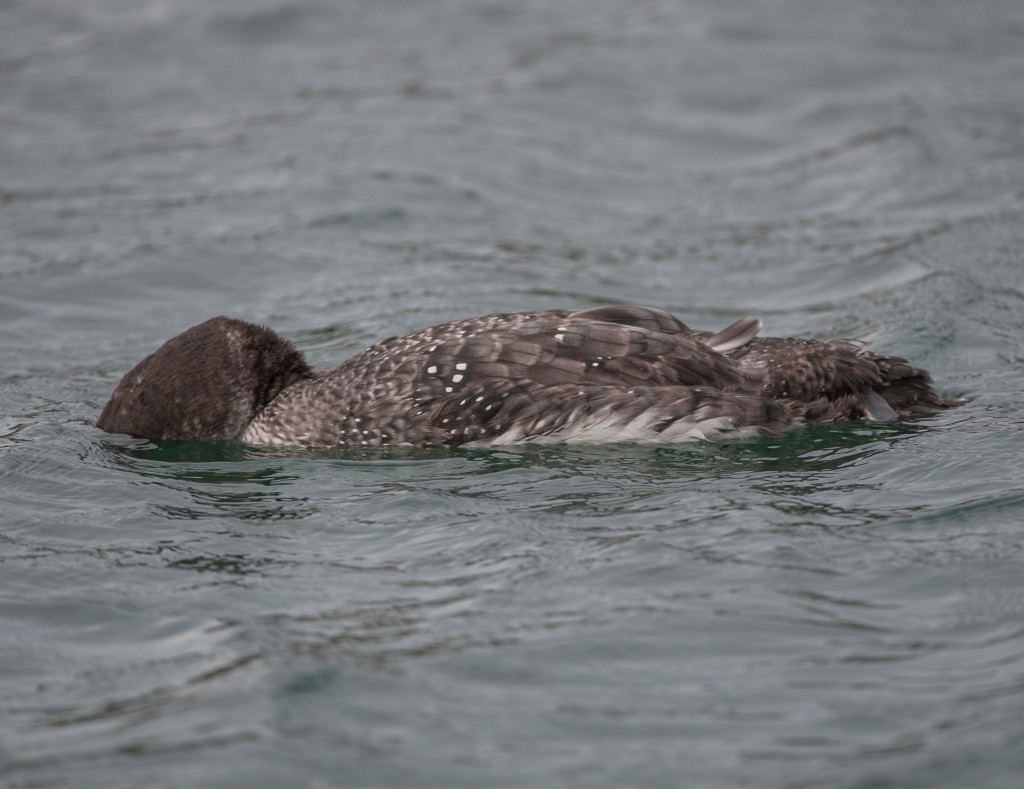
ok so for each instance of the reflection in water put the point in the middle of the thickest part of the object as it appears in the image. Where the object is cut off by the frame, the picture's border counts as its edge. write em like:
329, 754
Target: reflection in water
252, 483
220, 477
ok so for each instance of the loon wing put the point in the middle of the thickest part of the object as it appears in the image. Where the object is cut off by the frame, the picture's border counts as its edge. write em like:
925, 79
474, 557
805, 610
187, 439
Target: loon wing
735, 335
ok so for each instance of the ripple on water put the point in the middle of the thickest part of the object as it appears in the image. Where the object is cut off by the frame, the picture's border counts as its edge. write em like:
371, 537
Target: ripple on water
837, 607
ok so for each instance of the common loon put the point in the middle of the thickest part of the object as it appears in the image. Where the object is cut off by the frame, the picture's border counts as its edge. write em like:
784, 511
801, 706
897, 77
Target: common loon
602, 375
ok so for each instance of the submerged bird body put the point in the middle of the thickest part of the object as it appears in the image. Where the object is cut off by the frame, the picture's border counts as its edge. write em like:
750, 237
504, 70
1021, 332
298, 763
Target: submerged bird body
602, 375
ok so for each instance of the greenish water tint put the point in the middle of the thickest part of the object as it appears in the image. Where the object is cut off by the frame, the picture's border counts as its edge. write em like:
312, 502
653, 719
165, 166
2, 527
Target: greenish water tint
839, 607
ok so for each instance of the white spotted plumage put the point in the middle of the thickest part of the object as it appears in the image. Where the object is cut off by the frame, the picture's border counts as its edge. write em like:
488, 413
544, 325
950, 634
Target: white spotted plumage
605, 375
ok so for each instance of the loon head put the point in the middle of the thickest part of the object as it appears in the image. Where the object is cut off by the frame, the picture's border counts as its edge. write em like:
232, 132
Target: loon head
207, 383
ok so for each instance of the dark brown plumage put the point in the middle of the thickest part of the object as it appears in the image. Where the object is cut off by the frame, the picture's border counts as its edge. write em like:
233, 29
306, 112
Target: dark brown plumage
609, 374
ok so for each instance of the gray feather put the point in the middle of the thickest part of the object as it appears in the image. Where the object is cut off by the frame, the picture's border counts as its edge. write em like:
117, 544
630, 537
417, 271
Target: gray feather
608, 374
735, 335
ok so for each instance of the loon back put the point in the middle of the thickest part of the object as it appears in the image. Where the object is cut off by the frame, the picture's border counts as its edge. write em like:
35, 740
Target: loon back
602, 375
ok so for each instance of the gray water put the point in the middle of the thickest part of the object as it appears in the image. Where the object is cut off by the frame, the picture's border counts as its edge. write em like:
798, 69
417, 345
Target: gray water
843, 607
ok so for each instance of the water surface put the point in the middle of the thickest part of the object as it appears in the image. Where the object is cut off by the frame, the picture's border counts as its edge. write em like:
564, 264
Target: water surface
840, 607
